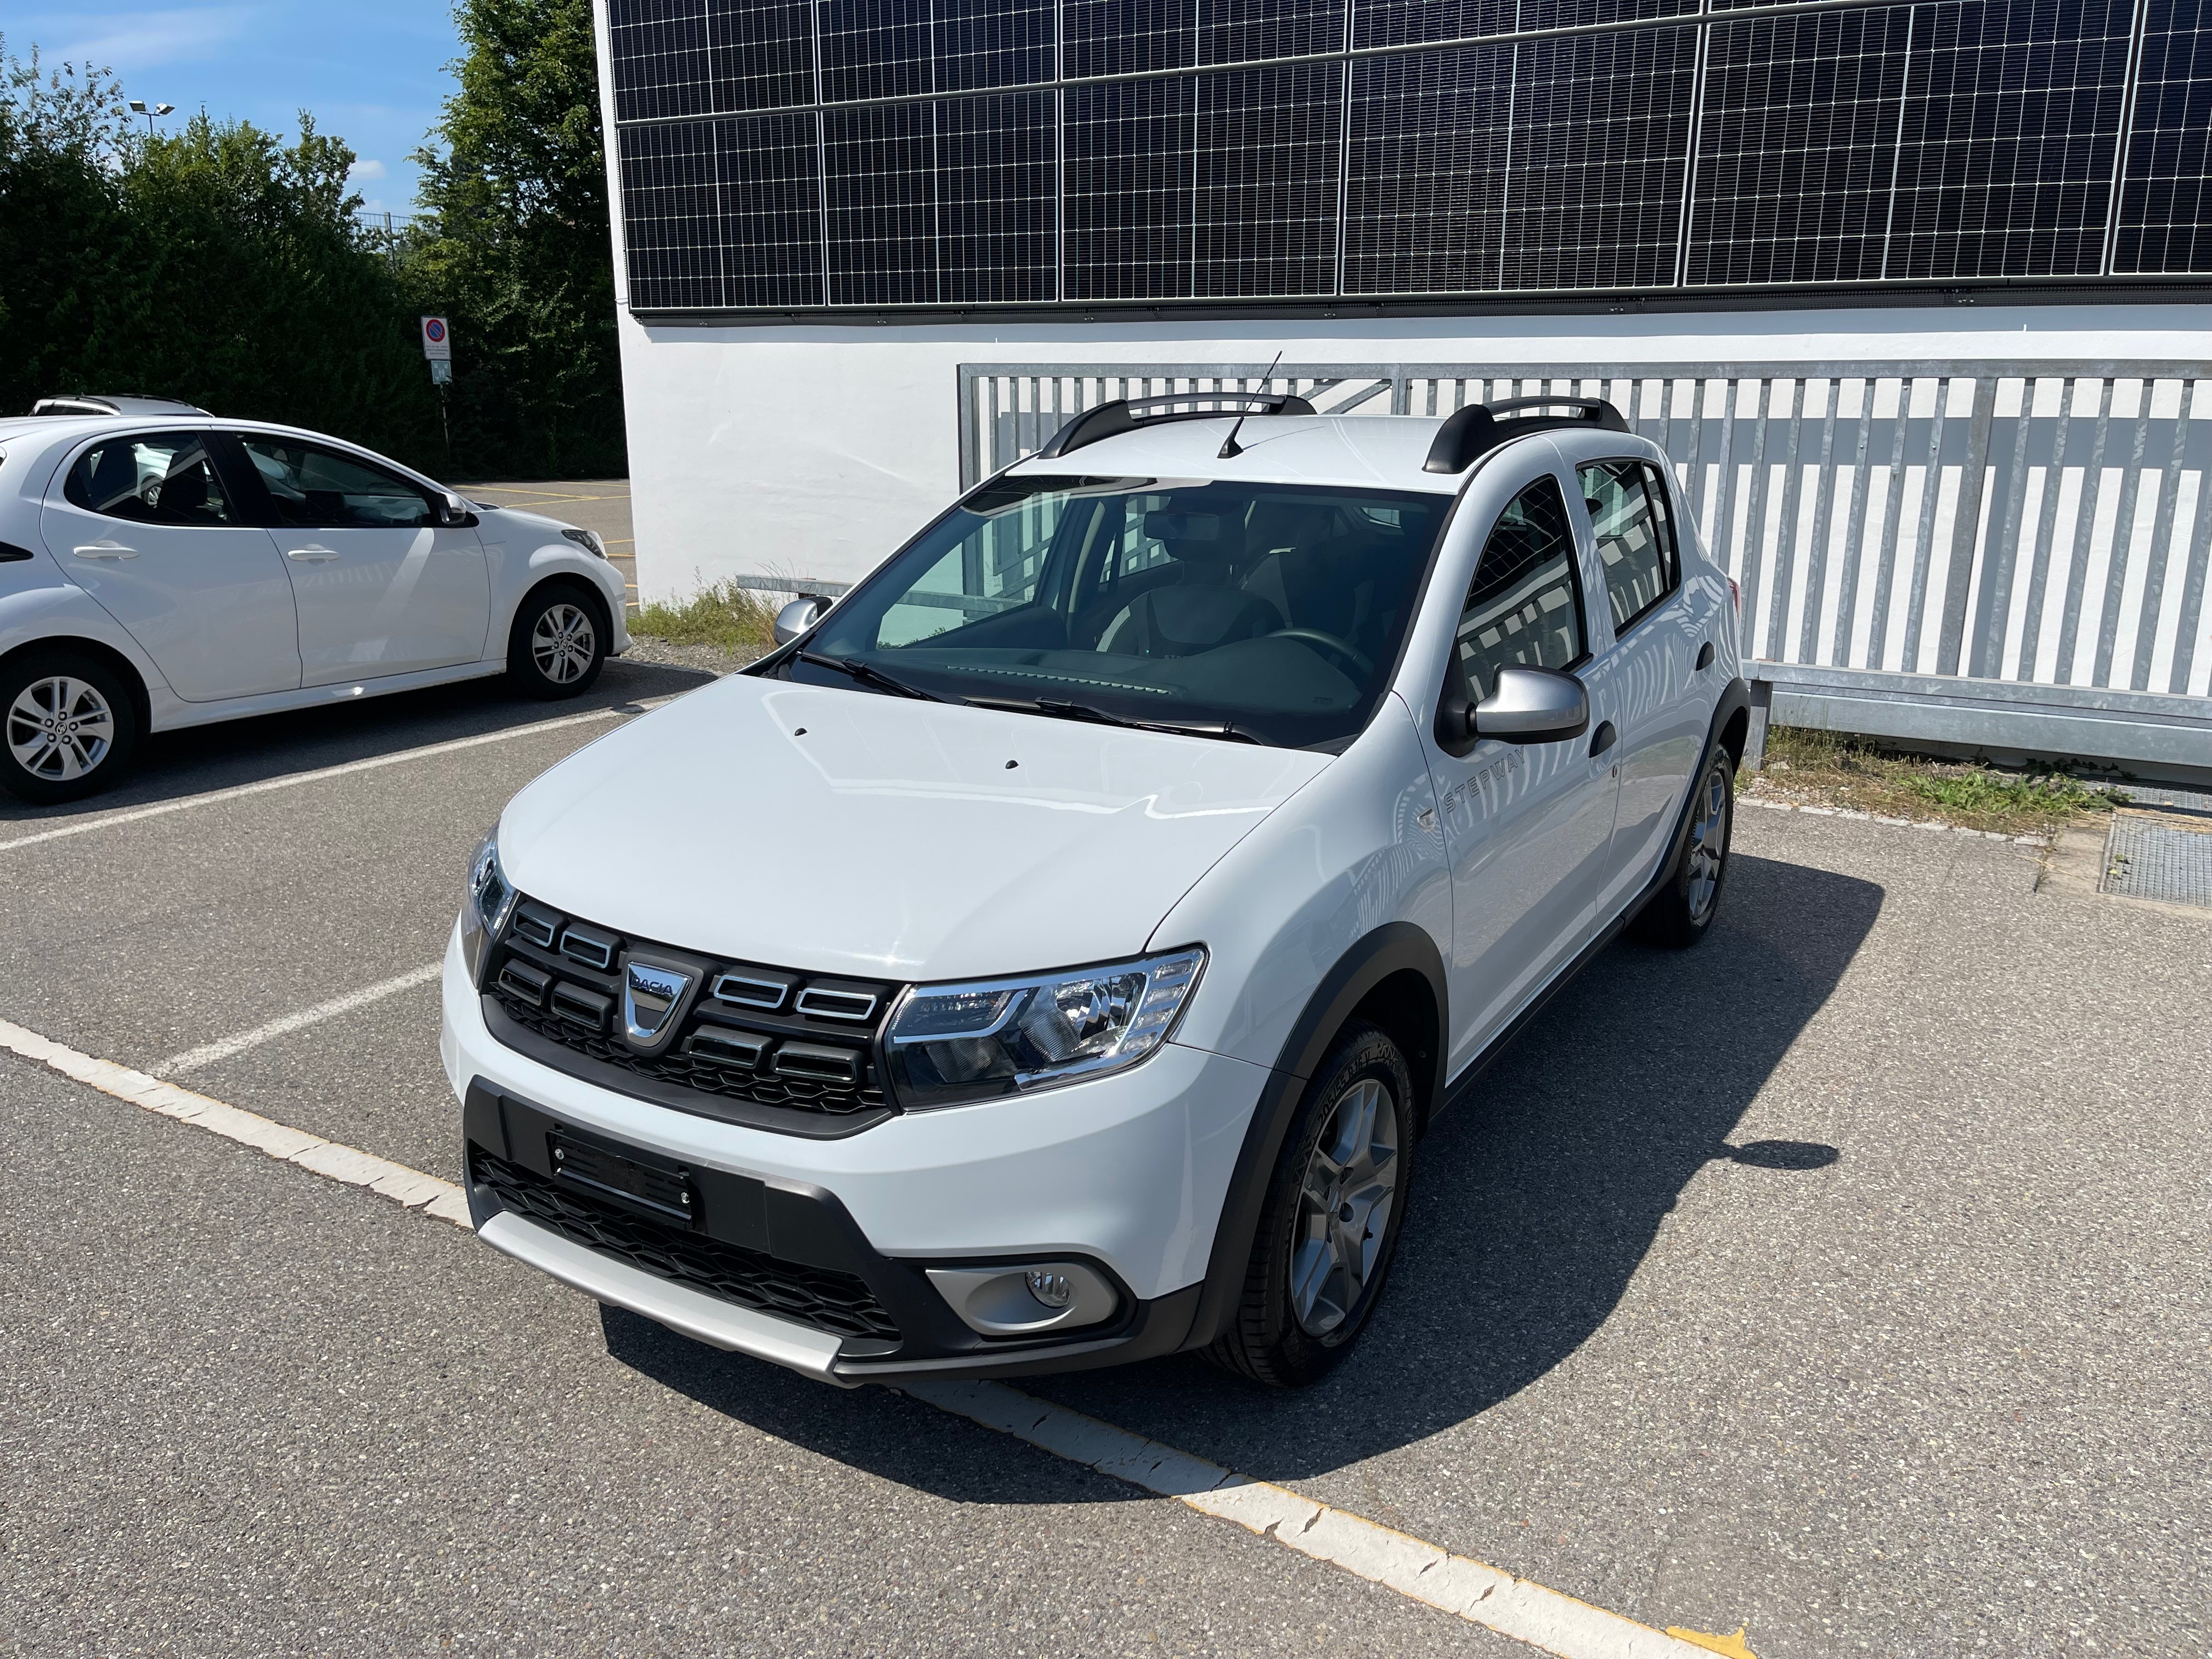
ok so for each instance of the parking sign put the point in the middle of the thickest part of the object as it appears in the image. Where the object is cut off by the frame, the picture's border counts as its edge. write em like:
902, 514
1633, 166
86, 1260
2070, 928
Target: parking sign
437, 340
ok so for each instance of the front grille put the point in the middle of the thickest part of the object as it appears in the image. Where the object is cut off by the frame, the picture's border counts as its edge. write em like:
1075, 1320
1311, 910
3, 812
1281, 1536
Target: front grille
819, 1296
796, 1042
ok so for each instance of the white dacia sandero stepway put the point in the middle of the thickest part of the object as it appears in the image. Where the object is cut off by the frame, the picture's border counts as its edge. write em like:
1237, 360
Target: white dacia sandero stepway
1053, 954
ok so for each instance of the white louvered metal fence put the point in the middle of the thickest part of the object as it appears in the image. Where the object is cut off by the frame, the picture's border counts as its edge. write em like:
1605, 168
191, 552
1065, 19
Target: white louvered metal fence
2002, 555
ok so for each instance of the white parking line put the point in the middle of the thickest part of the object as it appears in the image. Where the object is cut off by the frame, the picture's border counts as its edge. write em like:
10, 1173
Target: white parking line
1483, 1595
214, 796
193, 1058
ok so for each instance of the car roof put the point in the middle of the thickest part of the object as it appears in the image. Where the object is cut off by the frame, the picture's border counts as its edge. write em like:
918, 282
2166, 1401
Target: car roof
1368, 452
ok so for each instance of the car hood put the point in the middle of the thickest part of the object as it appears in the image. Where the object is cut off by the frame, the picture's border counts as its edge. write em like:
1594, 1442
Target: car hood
535, 523
847, 832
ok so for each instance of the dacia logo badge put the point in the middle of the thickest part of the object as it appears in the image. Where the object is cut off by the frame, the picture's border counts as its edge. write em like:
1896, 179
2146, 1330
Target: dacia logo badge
651, 998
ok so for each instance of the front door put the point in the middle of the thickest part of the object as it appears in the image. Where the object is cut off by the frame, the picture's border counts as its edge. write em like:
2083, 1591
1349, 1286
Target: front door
1526, 825
145, 524
382, 587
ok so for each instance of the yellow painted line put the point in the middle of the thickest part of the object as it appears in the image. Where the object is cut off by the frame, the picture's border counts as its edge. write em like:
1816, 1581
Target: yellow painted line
1733, 1647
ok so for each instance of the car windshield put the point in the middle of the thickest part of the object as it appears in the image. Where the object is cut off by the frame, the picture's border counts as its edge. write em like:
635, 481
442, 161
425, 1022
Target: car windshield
1270, 613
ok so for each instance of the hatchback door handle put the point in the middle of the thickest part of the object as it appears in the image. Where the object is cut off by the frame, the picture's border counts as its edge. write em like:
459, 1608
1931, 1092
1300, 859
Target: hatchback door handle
105, 551
311, 555
1602, 740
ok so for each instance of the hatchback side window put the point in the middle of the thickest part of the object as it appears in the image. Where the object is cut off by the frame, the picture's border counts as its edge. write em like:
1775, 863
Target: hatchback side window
1524, 608
1635, 537
320, 488
152, 477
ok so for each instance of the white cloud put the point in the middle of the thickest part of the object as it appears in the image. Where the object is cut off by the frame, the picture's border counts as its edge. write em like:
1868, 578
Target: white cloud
149, 40
369, 170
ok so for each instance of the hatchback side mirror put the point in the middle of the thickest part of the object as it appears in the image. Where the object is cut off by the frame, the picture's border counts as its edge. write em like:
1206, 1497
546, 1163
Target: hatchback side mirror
801, 614
454, 511
1530, 705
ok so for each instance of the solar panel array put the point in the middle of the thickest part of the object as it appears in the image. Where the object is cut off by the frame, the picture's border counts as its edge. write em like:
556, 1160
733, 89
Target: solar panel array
795, 155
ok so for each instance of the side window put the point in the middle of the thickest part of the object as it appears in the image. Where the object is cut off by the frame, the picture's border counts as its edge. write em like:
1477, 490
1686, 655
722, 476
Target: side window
1524, 608
995, 568
1635, 537
154, 477
320, 488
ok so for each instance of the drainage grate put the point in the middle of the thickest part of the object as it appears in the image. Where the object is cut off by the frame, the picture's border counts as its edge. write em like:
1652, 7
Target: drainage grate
2146, 859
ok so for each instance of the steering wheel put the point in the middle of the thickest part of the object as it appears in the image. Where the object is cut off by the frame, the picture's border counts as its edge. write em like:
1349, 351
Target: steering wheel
1328, 642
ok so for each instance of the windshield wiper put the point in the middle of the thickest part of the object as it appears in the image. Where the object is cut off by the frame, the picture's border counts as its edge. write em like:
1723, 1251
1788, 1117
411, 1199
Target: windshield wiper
1062, 708
868, 674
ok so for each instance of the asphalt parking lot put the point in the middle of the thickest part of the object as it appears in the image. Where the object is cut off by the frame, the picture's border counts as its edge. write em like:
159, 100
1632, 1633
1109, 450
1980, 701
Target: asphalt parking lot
1845, 1280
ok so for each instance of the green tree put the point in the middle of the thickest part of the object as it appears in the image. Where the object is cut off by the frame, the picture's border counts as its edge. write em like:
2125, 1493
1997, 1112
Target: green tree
514, 246
218, 265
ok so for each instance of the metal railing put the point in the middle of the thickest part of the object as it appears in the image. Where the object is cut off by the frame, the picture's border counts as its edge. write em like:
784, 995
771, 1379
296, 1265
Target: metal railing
2008, 555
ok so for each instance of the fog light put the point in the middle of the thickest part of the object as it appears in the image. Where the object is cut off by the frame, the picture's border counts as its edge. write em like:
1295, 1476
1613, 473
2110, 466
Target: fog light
1029, 1299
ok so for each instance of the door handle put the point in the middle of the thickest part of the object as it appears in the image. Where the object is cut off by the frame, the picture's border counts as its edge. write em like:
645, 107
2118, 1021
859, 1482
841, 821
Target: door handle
311, 555
105, 551
1602, 740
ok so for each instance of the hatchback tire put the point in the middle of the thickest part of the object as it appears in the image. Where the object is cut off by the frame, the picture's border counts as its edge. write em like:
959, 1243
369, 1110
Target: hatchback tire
67, 727
1681, 913
1329, 1225
559, 641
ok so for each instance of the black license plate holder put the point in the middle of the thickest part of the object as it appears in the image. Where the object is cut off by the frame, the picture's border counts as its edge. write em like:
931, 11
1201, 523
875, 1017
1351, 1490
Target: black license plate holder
667, 1194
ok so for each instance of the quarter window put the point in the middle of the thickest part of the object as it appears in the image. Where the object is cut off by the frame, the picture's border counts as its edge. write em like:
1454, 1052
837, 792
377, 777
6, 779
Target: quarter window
1627, 507
160, 477
321, 488
1524, 608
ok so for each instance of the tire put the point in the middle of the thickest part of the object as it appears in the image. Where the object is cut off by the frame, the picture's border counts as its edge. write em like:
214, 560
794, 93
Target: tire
1682, 912
67, 727
559, 641
1313, 1282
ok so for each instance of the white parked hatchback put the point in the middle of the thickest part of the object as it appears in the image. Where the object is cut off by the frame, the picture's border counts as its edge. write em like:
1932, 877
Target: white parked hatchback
160, 568
1053, 954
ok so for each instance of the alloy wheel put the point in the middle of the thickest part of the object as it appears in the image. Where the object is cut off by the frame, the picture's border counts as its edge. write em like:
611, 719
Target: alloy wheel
563, 643
1708, 843
59, 728
1344, 1207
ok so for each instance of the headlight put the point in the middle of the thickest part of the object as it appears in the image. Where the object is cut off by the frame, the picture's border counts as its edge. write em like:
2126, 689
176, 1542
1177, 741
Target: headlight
954, 1043
586, 540
484, 912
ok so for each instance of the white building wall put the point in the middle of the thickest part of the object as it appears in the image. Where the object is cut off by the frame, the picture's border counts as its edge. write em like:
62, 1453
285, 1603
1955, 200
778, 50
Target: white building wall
815, 450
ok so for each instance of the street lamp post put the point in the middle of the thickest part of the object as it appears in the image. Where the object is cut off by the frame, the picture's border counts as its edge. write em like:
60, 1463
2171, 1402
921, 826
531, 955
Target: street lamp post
138, 107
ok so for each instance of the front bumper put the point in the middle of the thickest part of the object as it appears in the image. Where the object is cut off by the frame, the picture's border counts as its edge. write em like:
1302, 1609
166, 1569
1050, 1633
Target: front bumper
1128, 1173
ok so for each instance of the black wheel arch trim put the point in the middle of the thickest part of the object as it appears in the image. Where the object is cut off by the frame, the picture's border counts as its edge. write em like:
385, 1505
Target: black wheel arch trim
1395, 947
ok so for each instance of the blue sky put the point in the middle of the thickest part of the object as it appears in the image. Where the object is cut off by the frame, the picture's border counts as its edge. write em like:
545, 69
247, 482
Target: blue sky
374, 74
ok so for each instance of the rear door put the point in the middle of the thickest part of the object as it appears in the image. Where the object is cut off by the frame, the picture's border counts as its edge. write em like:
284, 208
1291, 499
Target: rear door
1527, 826
1650, 670
381, 586
148, 524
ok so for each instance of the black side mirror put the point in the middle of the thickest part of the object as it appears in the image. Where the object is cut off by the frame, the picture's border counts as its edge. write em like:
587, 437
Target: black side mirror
1530, 705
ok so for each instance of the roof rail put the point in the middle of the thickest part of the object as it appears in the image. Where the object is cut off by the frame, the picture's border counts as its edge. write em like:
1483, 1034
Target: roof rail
1476, 429
118, 403
1127, 414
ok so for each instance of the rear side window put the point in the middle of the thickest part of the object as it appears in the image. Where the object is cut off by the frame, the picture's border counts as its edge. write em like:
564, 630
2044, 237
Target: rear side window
1627, 505
316, 487
152, 477
1524, 608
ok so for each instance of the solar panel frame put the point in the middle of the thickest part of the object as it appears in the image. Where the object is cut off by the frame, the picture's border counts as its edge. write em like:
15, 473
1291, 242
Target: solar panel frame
1028, 153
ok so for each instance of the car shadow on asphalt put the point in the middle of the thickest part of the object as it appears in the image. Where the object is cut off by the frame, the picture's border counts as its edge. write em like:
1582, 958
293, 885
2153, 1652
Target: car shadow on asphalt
1532, 1208
171, 765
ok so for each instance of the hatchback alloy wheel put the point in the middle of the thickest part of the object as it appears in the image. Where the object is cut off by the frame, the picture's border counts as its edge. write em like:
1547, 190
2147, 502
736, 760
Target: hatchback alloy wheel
1344, 1207
1708, 843
60, 728
563, 643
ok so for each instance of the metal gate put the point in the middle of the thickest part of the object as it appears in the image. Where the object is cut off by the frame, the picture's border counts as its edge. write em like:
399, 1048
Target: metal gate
2008, 555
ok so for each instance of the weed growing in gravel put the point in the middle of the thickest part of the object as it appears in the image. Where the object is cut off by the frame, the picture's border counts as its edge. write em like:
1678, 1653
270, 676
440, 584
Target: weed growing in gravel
721, 614
1830, 768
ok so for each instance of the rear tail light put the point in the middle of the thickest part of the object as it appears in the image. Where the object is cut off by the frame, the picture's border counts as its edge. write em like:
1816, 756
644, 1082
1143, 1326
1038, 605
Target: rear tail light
1735, 595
